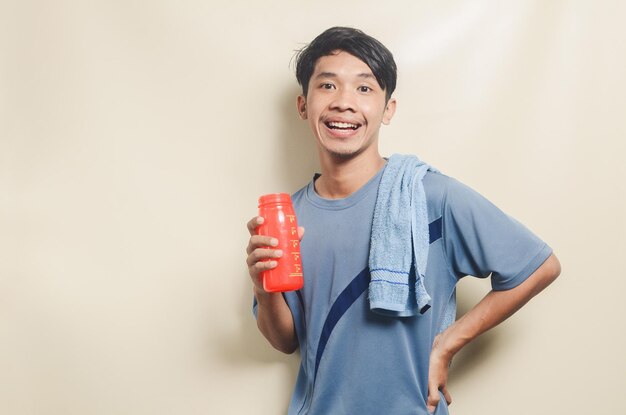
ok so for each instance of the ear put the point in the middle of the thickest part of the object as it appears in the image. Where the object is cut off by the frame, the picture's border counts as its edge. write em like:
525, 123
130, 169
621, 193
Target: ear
301, 105
390, 109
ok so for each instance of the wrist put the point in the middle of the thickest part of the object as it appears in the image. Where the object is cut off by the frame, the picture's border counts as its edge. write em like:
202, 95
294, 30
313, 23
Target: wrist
447, 345
261, 295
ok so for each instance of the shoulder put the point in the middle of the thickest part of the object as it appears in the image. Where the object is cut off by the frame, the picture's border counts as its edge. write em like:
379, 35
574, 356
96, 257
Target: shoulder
299, 196
436, 188
445, 192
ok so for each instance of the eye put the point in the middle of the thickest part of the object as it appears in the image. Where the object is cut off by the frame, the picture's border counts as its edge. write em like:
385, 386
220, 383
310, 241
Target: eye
364, 88
327, 85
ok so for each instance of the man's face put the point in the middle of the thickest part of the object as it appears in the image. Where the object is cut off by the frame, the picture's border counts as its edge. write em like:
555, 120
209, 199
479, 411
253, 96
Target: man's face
345, 106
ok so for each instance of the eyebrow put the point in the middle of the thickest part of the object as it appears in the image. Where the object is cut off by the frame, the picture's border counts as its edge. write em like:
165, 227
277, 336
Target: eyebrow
364, 75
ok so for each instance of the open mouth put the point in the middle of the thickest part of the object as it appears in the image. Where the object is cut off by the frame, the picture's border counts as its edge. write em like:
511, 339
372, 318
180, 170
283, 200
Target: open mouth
342, 126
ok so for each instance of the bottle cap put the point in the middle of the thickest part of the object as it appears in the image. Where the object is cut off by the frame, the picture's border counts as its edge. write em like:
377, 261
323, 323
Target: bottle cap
275, 198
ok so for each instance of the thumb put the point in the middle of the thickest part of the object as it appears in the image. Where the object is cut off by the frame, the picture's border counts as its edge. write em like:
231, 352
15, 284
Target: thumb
300, 232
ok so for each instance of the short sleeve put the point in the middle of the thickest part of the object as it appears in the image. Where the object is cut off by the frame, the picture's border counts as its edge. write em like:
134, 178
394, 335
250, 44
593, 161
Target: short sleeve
481, 240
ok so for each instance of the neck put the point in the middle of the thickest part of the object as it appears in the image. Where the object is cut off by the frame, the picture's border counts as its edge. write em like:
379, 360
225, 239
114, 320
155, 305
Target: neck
342, 177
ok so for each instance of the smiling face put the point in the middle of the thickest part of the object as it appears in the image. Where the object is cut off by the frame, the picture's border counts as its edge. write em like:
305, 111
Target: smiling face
345, 107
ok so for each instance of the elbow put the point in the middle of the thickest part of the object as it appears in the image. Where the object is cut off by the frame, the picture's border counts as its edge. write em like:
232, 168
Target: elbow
554, 267
283, 342
545, 275
289, 349
549, 271
285, 347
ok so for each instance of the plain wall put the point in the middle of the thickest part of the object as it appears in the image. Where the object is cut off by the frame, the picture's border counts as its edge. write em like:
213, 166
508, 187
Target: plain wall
135, 138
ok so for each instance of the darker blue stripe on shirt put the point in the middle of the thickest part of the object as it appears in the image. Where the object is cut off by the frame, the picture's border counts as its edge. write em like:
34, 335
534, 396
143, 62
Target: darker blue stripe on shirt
435, 230
299, 293
347, 297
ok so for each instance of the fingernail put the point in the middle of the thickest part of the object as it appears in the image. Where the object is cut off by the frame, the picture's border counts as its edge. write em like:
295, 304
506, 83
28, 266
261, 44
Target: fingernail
278, 253
273, 264
274, 242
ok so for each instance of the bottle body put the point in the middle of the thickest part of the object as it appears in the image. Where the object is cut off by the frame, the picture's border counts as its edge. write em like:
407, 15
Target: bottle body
281, 223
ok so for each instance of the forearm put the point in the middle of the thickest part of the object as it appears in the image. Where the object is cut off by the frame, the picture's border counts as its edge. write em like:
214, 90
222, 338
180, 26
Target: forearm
275, 321
494, 308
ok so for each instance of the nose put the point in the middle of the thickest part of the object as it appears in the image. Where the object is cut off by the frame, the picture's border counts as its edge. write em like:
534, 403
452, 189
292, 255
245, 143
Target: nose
343, 100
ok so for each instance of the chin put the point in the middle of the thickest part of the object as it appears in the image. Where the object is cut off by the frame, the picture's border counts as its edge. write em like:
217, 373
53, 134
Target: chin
346, 149
344, 154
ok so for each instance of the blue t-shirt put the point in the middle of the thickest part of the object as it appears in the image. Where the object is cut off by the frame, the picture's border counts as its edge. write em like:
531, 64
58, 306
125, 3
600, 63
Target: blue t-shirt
354, 361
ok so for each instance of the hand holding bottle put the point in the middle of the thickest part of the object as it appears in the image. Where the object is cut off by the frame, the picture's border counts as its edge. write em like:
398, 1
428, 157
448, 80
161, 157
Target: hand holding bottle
274, 262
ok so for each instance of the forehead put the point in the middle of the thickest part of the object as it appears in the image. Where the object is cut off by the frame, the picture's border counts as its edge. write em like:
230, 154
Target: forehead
341, 63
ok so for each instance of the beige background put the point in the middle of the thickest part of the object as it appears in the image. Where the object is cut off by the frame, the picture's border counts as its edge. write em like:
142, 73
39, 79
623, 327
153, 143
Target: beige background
136, 136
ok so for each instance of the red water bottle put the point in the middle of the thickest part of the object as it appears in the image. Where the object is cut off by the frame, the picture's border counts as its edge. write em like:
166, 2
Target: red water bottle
280, 223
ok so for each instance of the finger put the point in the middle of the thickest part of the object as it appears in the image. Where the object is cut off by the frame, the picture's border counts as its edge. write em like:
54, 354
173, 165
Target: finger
300, 232
254, 223
433, 399
261, 266
260, 241
261, 254
431, 406
446, 395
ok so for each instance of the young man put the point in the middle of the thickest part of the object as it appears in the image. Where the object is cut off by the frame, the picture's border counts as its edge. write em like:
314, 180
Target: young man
356, 359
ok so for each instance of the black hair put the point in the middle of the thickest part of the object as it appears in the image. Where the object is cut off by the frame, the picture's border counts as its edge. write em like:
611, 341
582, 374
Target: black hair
355, 42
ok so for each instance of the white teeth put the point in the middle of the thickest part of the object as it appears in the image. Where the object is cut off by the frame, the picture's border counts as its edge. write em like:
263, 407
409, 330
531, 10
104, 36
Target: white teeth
342, 125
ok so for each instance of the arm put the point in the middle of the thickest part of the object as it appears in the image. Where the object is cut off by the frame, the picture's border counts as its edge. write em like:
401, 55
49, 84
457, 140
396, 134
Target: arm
274, 318
494, 308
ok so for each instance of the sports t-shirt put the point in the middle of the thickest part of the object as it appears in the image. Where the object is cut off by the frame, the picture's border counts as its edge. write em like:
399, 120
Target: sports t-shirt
354, 361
